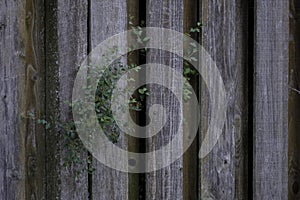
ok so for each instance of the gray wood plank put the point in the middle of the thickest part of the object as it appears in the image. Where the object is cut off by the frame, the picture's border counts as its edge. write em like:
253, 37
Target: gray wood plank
166, 183
66, 47
12, 76
224, 171
72, 47
270, 170
294, 101
108, 17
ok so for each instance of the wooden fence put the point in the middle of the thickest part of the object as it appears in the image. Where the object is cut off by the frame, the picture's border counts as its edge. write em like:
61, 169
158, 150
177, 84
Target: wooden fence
256, 45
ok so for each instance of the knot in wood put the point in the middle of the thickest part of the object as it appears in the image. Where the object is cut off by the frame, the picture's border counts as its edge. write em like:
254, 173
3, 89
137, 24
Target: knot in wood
32, 165
2, 26
295, 187
28, 18
34, 77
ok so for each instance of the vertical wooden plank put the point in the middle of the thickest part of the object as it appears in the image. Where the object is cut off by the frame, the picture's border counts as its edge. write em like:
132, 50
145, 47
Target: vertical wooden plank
165, 183
271, 100
66, 38
294, 101
72, 48
34, 100
241, 104
12, 76
224, 170
108, 17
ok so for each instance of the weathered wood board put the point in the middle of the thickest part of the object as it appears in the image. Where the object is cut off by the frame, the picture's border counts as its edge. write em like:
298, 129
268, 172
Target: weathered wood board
270, 167
224, 171
166, 183
12, 76
108, 18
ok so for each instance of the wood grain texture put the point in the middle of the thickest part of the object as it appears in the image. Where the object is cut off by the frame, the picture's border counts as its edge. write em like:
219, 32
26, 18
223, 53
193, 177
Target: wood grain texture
72, 48
271, 100
34, 101
224, 170
66, 47
294, 101
108, 17
12, 76
166, 183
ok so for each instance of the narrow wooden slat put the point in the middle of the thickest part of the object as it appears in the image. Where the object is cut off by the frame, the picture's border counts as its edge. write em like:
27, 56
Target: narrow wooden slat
224, 170
12, 76
294, 101
165, 183
270, 170
34, 100
72, 48
241, 125
66, 47
108, 17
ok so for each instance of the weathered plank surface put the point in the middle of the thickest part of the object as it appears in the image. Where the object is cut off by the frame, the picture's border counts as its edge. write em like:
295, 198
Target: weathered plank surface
224, 171
270, 179
165, 183
108, 17
66, 47
34, 100
42, 45
294, 101
72, 48
12, 76
22, 146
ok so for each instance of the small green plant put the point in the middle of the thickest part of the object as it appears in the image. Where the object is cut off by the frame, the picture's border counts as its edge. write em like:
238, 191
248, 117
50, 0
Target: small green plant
105, 86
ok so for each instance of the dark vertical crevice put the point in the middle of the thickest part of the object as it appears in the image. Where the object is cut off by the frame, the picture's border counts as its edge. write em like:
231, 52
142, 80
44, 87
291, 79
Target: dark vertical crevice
250, 95
45, 86
199, 13
294, 101
143, 114
89, 49
190, 157
198, 172
199, 36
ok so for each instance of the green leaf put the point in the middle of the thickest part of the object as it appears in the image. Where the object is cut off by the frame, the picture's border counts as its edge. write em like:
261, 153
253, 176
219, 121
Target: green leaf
141, 91
146, 39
